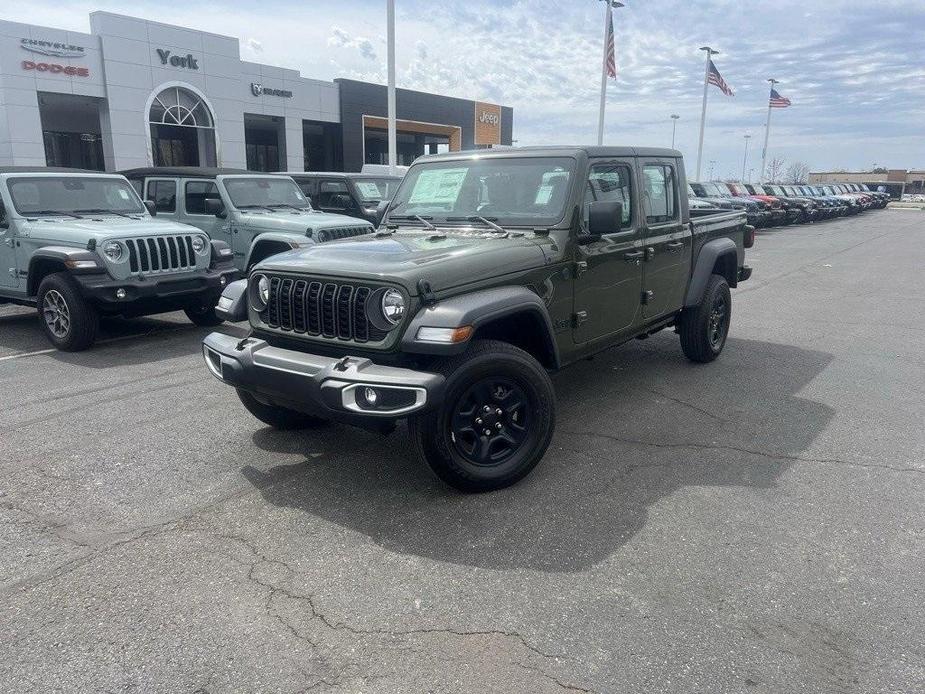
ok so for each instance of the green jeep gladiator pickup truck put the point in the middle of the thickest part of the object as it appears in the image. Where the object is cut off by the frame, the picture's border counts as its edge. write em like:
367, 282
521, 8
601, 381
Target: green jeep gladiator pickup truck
489, 270
80, 244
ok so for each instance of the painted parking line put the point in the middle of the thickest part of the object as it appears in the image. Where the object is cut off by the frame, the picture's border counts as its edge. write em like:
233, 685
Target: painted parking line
110, 340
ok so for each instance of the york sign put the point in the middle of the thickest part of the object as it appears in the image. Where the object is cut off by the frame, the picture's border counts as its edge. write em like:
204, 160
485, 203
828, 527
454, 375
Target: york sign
187, 61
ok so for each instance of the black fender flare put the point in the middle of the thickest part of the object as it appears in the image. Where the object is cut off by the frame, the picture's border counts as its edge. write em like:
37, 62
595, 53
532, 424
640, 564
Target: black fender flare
232, 305
706, 261
74, 260
291, 241
477, 309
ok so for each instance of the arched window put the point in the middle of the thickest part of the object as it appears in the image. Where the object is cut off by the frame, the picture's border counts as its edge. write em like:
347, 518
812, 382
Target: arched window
182, 129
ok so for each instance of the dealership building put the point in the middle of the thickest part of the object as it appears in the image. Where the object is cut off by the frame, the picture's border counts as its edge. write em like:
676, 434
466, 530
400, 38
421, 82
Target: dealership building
137, 93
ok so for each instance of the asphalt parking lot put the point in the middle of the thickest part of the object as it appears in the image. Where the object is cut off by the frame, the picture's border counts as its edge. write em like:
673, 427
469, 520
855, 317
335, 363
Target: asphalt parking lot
754, 525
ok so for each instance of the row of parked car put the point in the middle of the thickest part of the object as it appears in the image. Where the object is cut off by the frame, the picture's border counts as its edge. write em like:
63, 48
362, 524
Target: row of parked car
768, 205
78, 245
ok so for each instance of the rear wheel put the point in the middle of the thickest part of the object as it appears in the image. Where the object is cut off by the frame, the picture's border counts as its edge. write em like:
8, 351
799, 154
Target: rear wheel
704, 328
69, 321
275, 416
495, 422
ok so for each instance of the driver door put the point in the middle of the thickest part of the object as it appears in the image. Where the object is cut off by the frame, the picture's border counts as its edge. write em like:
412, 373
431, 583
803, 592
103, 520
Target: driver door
608, 281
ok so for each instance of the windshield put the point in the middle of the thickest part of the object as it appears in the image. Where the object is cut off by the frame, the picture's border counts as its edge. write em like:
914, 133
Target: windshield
376, 189
524, 190
266, 191
73, 194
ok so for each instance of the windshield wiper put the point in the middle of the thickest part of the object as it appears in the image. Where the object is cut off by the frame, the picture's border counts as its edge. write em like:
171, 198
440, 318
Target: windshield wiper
59, 213
254, 207
102, 210
423, 220
277, 205
487, 221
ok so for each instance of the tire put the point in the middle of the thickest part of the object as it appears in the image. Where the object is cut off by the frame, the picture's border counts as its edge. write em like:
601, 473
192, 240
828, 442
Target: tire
204, 317
502, 378
702, 340
69, 321
277, 417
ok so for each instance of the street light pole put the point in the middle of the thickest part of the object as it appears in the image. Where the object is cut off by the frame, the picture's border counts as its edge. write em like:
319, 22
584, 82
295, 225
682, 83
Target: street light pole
608, 23
674, 127
703, 113
745, 161
393, 136
767, 133
712, 165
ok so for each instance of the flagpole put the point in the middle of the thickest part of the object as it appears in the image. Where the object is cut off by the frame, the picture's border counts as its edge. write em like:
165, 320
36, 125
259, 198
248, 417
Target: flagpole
767, 134
608, 17
390, 50
703, 113
745, 160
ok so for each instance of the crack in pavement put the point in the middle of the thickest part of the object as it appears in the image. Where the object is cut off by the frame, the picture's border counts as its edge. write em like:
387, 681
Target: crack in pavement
555, 680
747, 451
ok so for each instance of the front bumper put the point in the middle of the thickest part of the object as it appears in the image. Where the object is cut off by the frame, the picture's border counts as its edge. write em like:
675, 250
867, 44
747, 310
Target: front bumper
329, 387
158, 291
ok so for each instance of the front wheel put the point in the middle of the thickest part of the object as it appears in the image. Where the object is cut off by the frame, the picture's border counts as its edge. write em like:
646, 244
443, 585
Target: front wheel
70, 323
703, 328
495, 422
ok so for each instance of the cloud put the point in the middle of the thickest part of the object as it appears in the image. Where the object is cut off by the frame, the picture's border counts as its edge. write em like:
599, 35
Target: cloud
341, 39
252, 45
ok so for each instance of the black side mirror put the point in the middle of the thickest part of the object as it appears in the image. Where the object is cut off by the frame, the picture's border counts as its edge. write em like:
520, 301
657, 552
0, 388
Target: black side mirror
604, 217
214, 206
151, 207
380, 211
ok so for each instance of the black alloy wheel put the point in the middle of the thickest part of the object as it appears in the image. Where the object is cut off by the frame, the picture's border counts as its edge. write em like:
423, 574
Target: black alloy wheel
490, 421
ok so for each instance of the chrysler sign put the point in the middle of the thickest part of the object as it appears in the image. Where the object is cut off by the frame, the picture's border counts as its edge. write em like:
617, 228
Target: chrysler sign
53, 48
259, 89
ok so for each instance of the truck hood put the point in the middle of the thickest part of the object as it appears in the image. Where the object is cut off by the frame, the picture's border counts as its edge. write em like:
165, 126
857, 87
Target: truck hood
445, 258
295, 221
101, 228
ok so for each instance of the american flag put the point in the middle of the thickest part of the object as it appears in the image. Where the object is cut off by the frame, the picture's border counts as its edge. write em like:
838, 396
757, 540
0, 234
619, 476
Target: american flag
716, 79
611, 58
778, 101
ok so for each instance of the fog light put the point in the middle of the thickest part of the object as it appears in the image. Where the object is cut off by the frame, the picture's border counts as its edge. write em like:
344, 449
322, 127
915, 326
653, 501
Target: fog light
120, 293
371, 396
222, 281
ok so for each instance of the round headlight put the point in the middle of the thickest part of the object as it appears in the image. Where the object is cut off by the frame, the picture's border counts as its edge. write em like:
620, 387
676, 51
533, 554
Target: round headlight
199, 244
393, 306
259, 290
113, 251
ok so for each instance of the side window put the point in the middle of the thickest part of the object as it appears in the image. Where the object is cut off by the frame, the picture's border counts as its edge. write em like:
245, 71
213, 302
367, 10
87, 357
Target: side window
136, 184
609, 182
661, 200
333, 194
3, 220
164, 195
196, 194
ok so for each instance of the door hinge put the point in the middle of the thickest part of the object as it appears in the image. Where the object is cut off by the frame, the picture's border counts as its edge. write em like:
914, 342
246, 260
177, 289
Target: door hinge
579, 318
647, 297
13, 272
8, 242
581, 267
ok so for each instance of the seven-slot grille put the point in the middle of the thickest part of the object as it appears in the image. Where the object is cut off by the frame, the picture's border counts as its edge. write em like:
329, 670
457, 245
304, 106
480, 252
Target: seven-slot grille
342, 233
161, 254
320, 308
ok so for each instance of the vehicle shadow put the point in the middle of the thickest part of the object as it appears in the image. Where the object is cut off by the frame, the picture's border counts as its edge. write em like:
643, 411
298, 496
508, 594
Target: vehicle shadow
635, 425
120, 341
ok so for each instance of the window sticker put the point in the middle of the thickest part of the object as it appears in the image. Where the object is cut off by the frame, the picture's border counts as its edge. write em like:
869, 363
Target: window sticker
543, 194
369, 190
440, 187
123, 194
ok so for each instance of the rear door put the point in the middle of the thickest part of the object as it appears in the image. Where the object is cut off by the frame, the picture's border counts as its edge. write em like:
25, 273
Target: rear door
608, 273
334, 196
667, 239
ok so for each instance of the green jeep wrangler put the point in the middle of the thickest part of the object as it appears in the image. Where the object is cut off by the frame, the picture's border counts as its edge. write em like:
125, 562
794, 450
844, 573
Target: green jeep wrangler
489, 271
80, 244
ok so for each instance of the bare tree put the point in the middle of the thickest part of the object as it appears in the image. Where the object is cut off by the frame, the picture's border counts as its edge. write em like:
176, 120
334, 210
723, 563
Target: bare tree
797, 172
775, 170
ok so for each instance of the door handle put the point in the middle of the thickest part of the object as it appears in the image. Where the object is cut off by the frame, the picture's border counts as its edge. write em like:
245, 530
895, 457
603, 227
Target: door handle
633, 257
674, 247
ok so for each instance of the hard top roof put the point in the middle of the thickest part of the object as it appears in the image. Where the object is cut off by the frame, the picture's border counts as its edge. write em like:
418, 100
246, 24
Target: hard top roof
332, 174
556, 151
47, 169
184, 171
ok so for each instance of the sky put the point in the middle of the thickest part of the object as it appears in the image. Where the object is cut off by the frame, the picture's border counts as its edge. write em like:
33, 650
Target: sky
855, 71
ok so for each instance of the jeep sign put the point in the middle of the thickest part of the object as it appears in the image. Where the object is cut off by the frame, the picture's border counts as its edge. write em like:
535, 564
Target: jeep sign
487, 124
